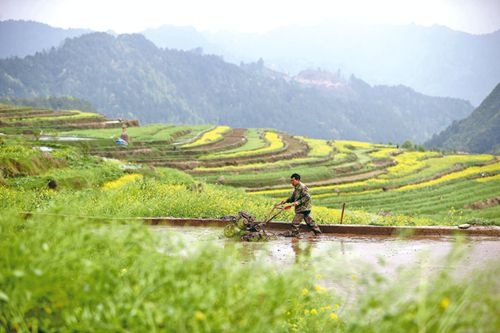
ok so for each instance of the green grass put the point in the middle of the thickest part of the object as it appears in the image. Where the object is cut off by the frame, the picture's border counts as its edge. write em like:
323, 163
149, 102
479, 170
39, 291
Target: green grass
72, 285
72, 275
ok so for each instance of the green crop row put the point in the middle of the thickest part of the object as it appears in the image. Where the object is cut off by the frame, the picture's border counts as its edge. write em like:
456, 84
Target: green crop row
148, 133
428, 168
443, 202
274, 143
254, 140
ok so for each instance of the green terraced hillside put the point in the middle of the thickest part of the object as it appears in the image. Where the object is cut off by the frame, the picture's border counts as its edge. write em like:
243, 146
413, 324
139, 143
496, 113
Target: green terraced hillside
380, 184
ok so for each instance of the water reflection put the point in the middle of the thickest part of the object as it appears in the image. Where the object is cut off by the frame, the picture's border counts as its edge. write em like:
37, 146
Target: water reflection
302, 250
344, 250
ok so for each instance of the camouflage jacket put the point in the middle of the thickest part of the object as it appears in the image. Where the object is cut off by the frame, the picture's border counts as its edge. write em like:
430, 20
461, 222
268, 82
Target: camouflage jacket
302, 196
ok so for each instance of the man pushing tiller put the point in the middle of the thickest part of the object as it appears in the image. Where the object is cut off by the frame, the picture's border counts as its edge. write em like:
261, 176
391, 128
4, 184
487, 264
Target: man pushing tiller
301, 199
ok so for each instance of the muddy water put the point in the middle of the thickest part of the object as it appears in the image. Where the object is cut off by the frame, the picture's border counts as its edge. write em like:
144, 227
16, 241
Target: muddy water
342, 263
354, 252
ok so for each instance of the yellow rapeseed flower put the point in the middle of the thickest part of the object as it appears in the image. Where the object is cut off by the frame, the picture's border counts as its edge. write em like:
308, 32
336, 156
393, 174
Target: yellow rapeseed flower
488, 178
305, 291
445, 302
319, 288
213, 135
122, 181
495, 167
306, 311
274, 143
314, 311
318, 148
318, 276
200, 316
334, 316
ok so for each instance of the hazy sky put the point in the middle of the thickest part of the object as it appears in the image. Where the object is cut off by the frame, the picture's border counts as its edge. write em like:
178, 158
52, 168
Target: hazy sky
475, 16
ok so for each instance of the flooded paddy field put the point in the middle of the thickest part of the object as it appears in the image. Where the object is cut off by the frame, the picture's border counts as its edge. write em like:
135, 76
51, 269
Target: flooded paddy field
354, 252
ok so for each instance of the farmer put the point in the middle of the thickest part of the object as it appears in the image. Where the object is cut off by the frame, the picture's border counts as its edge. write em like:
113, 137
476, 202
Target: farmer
301, 199
123, 140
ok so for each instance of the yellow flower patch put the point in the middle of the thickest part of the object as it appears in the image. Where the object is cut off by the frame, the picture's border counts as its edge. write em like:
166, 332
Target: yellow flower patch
122, 181
453, 176
274, 143
319, 148
200, 316
382, 153
341, 145
445, 302
488, 179
213, 135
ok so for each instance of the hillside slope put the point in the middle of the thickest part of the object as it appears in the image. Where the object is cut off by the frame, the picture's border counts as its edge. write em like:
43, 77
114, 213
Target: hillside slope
478, 133
381, 184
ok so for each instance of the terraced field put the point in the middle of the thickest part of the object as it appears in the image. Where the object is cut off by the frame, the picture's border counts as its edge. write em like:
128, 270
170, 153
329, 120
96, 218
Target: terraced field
383, 180
17, 119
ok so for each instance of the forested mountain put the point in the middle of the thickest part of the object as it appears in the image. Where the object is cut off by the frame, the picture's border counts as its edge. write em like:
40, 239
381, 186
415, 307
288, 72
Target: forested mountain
22, 38
433, 60
478, 133
128, 76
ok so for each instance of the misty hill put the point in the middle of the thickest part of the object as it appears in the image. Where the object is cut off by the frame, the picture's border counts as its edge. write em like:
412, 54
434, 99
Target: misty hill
478, 133
21, 38
128, 76
433, 60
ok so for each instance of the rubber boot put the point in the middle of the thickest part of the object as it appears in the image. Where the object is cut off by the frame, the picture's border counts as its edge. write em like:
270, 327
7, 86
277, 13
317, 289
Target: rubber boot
317, 231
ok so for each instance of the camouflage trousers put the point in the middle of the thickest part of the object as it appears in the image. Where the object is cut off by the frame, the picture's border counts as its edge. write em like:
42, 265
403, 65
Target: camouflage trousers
306, 216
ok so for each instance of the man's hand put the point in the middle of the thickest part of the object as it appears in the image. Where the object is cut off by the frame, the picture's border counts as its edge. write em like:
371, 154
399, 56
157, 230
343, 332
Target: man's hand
296, 203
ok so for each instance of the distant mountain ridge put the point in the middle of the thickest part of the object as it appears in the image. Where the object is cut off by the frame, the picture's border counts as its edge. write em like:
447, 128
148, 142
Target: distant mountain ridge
22, 38
478, 133
434, 60
128, 76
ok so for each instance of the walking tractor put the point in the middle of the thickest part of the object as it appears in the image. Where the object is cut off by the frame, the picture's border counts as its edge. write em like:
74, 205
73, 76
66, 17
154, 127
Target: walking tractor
248, 229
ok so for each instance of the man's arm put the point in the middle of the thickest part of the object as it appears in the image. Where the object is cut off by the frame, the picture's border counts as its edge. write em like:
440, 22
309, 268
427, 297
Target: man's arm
284, 201
289, 200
